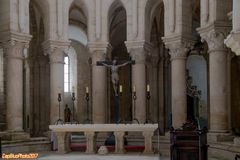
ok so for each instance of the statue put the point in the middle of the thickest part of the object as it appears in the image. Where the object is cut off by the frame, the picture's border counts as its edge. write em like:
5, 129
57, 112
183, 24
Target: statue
114, 72
67, 114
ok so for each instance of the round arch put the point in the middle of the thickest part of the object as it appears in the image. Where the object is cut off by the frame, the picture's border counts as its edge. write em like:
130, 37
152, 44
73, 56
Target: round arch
153, 8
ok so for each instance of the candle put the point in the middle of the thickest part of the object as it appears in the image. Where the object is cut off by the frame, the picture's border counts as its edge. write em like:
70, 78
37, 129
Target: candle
148, 88
86, 89
134, 88
120, 88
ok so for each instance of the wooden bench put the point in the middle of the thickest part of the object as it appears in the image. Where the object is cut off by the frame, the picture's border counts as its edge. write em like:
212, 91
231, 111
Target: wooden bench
63, 135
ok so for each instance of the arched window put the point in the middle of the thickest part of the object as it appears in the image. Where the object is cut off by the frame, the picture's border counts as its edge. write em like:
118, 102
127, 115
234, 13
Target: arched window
67, 74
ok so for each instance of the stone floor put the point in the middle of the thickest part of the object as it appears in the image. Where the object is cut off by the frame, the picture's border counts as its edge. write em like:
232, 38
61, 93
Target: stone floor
80, 156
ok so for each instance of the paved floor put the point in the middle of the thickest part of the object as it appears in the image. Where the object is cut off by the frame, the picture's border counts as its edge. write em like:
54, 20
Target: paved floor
79, 156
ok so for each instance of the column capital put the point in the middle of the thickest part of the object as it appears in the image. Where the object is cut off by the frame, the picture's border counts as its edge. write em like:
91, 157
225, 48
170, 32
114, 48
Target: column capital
214, 34
99, 50
138, 45
178, 45
14, 49
138, 50
95, 47
11, 38
233, 42
13, 44
56, 50
50, 46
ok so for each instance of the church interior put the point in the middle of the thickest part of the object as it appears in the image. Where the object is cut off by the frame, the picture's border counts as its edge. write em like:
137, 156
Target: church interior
177, 61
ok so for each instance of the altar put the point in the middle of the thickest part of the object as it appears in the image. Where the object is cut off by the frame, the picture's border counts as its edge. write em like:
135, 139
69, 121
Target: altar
63, 135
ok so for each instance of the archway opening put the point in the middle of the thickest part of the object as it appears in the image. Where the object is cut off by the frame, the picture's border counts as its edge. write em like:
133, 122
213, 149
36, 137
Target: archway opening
117, 38
37, 78
80, 68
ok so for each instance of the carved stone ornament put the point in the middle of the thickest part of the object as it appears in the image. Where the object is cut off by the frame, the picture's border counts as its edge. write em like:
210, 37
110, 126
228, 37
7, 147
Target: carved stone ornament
233, 42
99, 51
97, 47
138, 50
51, 46
14, 49
56, 50
215, 40
179, 50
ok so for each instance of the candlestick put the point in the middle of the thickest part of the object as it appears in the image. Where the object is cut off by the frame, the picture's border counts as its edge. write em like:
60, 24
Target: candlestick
59, 106
87, 102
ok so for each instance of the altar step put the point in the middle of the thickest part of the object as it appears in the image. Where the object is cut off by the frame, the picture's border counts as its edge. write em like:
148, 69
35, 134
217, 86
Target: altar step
32, 145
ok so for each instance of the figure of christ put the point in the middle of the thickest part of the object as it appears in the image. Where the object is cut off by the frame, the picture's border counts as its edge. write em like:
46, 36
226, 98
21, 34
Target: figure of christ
114, 72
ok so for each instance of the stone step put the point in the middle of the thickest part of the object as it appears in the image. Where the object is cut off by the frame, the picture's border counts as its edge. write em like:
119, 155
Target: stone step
32, 145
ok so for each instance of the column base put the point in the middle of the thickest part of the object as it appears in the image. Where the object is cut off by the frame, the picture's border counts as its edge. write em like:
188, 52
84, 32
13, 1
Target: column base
18, 135
219, 136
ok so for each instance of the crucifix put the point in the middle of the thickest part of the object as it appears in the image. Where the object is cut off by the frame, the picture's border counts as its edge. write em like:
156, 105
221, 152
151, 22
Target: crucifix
114, 66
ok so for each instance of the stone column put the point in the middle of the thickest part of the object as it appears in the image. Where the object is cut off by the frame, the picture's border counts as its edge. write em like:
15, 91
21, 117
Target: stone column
148, 142
218, 81
119, 142
179, 91
13, 51
56, 51
99, 82
178, 51
138, 52
91, 142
